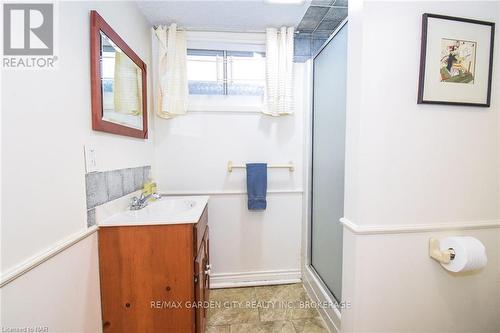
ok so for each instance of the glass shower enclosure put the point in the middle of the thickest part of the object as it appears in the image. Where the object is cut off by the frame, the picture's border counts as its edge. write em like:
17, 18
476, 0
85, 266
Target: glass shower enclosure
328, 160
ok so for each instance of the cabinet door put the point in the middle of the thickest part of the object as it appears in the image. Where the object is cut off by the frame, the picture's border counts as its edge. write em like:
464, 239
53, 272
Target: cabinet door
142, 269
200, 278
208, 266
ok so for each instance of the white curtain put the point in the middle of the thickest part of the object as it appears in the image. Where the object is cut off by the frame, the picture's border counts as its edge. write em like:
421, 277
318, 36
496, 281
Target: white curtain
279, 71
127, 87
172, 65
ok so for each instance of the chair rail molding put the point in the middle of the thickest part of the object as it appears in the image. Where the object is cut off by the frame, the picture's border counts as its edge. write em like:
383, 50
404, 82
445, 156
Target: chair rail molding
417, 228
43, 256
226, 192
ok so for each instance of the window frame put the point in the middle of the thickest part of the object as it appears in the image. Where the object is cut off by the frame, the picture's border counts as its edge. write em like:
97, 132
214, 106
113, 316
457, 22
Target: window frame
226, 81
226, 41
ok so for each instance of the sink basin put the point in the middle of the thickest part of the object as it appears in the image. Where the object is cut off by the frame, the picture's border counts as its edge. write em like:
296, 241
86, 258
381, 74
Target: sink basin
167, 210
170, 205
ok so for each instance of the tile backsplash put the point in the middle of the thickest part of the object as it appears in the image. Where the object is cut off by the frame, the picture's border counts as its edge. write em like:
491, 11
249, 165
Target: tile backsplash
102, 187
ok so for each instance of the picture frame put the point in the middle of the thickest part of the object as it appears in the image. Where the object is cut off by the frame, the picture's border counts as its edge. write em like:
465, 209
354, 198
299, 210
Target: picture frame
456, 61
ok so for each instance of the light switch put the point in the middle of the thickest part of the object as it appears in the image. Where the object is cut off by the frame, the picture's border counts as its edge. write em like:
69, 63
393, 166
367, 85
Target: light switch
90, 158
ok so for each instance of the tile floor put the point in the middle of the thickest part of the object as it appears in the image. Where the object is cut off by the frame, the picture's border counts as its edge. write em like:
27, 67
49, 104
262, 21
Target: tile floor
263, 309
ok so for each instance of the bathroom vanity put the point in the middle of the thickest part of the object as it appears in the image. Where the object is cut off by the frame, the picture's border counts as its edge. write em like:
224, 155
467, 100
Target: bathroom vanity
154, 267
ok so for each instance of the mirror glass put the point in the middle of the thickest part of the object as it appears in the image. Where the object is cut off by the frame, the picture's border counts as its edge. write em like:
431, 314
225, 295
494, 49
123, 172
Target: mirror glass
121, 86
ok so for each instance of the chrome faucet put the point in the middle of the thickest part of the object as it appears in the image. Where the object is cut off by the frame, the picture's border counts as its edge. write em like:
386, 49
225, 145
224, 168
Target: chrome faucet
142, 201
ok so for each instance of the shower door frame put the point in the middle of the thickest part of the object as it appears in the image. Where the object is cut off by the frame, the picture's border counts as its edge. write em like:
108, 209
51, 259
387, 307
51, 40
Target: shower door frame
320, 287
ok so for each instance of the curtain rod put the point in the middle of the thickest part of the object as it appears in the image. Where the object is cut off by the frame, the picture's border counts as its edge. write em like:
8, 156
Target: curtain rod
217, 30
213, 30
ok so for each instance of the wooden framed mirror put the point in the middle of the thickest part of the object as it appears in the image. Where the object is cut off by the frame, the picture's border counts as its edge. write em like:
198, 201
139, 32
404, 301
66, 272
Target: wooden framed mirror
118, 83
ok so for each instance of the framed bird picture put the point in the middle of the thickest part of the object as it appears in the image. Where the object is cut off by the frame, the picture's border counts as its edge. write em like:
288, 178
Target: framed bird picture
456, 61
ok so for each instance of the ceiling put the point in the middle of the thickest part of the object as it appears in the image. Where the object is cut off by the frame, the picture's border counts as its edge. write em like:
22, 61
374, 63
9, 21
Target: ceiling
323, 16
223, 15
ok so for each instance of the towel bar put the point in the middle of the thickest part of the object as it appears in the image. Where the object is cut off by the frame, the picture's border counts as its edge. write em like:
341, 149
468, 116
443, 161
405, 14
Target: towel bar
289, 166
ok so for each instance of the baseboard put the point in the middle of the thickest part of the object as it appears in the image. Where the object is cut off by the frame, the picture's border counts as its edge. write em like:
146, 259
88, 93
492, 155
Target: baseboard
318, 294
259, 278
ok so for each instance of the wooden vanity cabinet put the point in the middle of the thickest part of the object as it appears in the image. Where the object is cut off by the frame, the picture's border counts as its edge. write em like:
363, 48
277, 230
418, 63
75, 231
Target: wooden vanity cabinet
155, 278
202, 284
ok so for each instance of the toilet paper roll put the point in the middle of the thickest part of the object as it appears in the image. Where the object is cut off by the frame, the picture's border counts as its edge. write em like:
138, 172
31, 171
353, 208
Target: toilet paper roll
470, 253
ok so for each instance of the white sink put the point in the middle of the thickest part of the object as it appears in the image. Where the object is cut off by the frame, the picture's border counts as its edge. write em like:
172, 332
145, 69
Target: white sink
167, 210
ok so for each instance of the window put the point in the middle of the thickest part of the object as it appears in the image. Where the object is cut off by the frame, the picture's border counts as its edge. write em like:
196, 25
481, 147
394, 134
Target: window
227, 73
107, 73
205, 71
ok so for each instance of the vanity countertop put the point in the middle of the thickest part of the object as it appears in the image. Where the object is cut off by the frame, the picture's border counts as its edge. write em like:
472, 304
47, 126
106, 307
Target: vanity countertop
167, 210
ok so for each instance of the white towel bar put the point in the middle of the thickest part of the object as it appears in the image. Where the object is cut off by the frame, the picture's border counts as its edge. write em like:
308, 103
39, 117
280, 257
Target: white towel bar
289, 166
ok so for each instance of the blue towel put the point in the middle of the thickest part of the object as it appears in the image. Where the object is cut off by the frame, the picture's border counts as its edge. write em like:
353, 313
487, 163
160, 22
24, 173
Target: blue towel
257, 185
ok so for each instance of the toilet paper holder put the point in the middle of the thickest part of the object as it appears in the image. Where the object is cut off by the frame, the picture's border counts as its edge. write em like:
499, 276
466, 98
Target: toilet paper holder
439, 255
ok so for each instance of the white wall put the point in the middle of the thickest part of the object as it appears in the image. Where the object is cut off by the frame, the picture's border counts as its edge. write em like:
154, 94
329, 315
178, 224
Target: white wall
395, 287
191, 155
496, 95
46, 121
430, 159
62, 294
411, 165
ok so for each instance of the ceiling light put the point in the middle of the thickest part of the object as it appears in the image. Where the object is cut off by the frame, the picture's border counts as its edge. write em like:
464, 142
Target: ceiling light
285, 2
